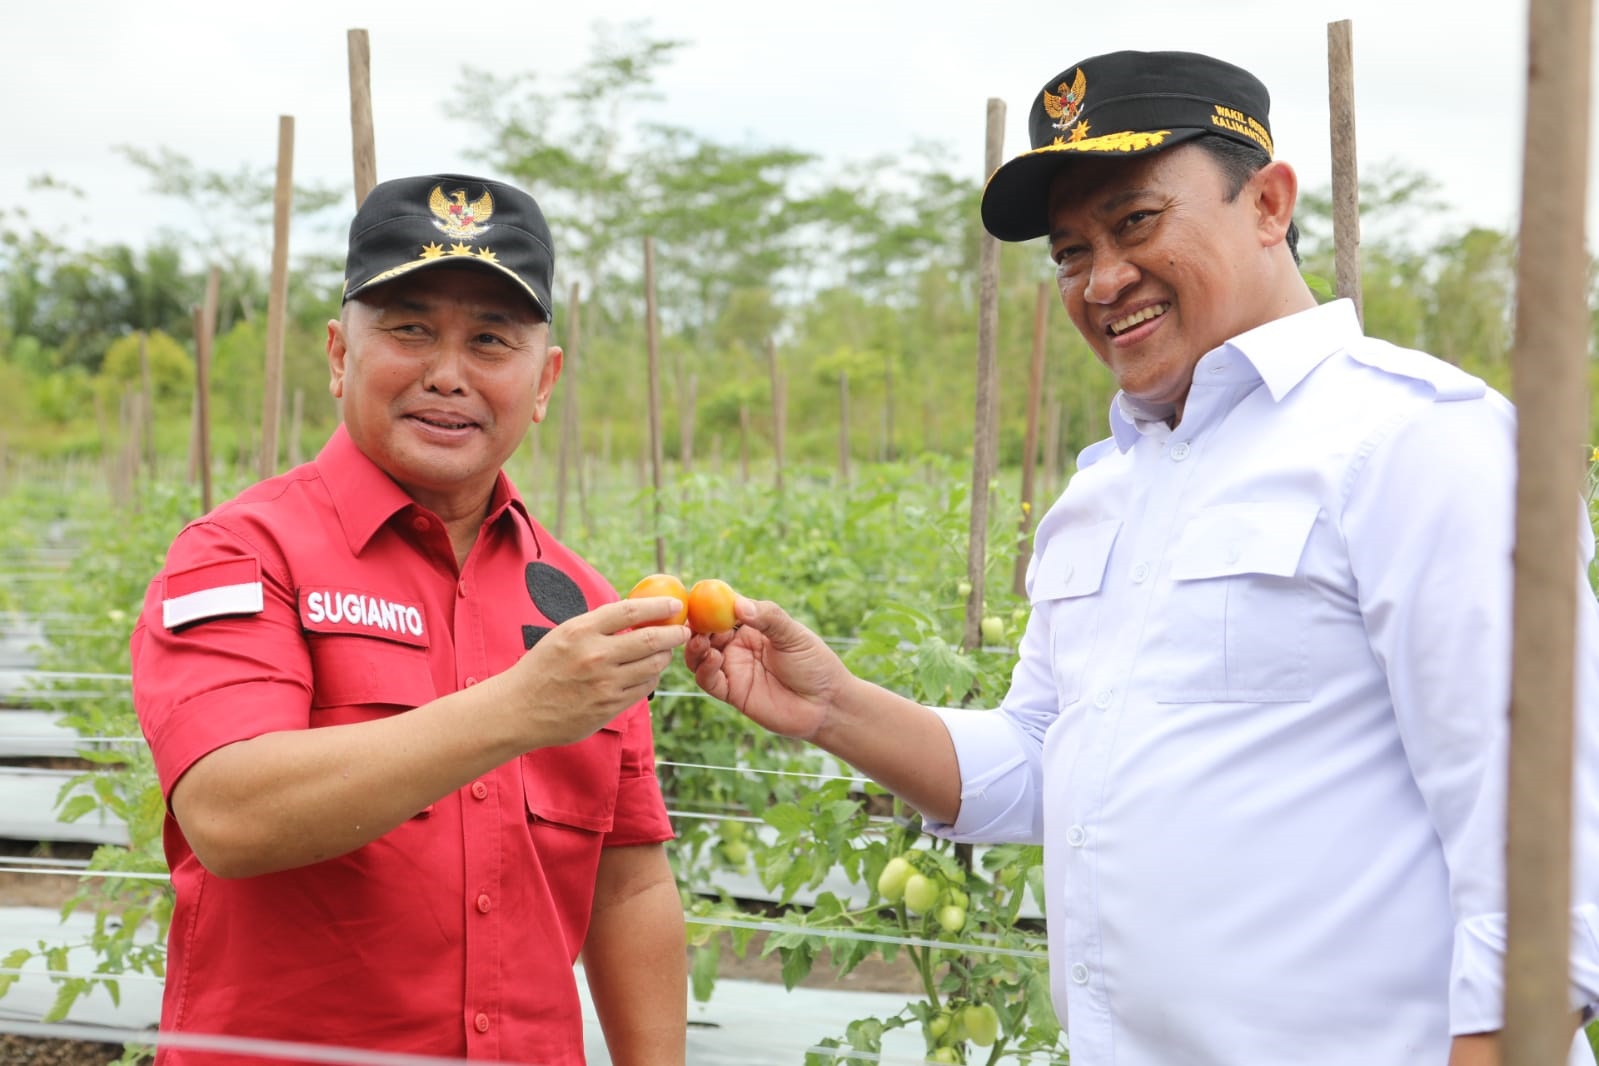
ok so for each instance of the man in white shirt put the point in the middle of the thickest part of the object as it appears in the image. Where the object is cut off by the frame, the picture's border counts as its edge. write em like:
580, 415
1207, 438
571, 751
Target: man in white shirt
1259, 718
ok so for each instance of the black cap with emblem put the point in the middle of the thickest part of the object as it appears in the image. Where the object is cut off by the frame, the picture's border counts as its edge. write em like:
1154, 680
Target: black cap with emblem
1120, 104
410, 224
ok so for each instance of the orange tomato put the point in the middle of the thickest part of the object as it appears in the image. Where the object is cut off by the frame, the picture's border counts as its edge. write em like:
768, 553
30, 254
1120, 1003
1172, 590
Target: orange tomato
663, 585
710, 606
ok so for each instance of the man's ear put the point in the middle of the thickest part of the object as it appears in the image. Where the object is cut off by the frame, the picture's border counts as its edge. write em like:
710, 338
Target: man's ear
1276, 189
554, 358
336, 353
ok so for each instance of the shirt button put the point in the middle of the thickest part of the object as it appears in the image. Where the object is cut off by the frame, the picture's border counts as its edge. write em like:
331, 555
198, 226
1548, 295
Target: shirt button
1103, 699
471, 681
419, 523
1079, 974
1140, 572
1076, 836
483, 904
1179, 451
481, 1022
480, 790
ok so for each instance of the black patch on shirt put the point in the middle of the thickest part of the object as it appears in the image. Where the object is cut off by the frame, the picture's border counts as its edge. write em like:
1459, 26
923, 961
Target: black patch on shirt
555, 595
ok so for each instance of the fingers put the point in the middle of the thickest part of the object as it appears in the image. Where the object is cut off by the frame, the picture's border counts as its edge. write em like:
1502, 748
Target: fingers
648, 611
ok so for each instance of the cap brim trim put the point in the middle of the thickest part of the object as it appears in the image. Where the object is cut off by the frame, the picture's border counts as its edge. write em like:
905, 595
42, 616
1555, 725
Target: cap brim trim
452, 260
1015, 204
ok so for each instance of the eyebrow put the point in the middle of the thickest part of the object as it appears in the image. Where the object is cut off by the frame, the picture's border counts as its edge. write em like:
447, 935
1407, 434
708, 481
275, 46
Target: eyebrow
1110, 205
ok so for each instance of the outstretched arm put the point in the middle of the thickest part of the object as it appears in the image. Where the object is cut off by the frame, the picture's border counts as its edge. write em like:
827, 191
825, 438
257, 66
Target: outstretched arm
785, 679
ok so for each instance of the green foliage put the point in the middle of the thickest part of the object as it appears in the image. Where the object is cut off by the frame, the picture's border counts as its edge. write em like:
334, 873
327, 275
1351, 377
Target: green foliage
171, 369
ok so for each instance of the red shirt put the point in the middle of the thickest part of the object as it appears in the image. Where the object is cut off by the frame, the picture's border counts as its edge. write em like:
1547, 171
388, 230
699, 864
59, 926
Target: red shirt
323, 596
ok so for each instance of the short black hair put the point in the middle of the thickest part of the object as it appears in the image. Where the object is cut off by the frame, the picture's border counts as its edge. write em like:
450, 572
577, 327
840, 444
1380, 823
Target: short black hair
1238, 162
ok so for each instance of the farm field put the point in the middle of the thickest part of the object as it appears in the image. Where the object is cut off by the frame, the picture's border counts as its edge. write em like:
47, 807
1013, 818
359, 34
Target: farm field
876, 565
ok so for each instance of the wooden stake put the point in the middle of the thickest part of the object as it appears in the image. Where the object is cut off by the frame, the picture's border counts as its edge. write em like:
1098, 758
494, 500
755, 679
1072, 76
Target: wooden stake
277, 300
204, 332
889, 451
985, 434
652, 348
1548, 372
148, 426
1035, 383
362, 143
843, 427
1345, 173
743, 443
568, 446
779, 413
296, 420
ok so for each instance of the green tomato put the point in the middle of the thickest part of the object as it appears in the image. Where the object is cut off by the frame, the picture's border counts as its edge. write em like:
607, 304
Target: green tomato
937, 1026
733, 830
951, 917
735, 851
959, 898
1019, 616
944, 1054
982, 1023
964, 588
891, 882
921, 893
993, 629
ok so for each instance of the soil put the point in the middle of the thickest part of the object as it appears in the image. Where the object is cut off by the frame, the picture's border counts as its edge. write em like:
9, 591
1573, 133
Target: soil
32, 890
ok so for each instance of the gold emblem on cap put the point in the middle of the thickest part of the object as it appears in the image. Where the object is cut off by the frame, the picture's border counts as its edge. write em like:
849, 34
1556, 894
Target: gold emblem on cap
456, 217
1064, 107
1124, 141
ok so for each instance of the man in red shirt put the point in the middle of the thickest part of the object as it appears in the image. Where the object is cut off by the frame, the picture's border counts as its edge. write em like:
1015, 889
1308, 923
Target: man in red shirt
401, 730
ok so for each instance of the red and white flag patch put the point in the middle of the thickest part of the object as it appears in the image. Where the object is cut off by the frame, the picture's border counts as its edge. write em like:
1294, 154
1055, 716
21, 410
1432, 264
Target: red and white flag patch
212, 590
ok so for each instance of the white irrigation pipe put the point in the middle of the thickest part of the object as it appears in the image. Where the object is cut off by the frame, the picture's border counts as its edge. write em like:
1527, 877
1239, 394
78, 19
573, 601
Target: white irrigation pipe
964, 946
239, 1045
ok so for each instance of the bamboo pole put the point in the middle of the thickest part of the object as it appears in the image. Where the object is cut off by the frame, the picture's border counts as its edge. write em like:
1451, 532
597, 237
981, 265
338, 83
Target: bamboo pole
1548, 368
652, 349
985, 435
363, 146
567, 453
277, 300
743, 443
1035, 399
1345, 172
889, 451
296, 422
205, 333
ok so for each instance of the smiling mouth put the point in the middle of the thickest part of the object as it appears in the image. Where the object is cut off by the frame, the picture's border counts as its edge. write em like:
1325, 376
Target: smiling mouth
1137, 318
440, 423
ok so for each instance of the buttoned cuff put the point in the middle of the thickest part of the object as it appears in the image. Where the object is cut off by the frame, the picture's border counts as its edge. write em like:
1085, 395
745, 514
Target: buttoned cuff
1476, 977
997, 798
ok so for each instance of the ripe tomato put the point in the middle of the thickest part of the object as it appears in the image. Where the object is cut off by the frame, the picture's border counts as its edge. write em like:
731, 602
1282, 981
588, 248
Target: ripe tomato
710, 606
663, 585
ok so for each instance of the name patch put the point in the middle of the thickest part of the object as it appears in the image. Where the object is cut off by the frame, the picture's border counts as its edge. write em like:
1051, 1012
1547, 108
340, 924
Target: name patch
324, 610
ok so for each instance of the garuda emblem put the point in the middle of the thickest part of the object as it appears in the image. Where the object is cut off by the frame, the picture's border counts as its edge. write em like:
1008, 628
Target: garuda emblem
456, 217
1065, 107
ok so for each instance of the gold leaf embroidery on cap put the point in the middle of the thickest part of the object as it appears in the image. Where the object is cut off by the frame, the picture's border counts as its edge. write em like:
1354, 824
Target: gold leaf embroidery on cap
1064, 108
460, 248
1125, 141
1078, 132
487, 254
431, 250
456, 217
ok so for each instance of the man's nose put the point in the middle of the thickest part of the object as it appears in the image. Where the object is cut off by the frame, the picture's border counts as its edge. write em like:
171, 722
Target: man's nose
1108, 277
444, 372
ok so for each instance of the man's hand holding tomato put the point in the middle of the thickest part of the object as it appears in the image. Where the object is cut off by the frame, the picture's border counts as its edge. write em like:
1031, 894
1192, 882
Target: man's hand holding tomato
787, 680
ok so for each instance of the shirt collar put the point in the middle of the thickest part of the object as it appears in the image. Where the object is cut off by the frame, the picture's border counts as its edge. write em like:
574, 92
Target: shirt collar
1283, 352
365, 498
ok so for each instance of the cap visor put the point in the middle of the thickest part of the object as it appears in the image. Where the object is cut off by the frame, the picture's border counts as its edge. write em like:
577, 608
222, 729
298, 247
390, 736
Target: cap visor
414, 265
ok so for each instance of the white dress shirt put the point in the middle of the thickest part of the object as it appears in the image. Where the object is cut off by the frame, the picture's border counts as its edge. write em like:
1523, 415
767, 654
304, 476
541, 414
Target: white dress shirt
1259, 720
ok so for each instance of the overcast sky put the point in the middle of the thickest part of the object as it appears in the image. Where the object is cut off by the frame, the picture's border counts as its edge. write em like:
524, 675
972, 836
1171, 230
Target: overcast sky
1439, 85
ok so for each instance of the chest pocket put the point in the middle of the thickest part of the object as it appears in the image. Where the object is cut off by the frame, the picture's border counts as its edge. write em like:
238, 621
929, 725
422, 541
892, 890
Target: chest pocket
1237, 625
575, 785
1066, 587
365, 673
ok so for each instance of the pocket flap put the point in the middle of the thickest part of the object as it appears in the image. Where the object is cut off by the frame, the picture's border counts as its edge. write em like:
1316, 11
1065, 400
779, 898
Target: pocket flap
352, 670
1243, 538
1073, 563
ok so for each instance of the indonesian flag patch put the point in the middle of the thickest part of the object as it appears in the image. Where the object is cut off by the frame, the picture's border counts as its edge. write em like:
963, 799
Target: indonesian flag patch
212, 590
